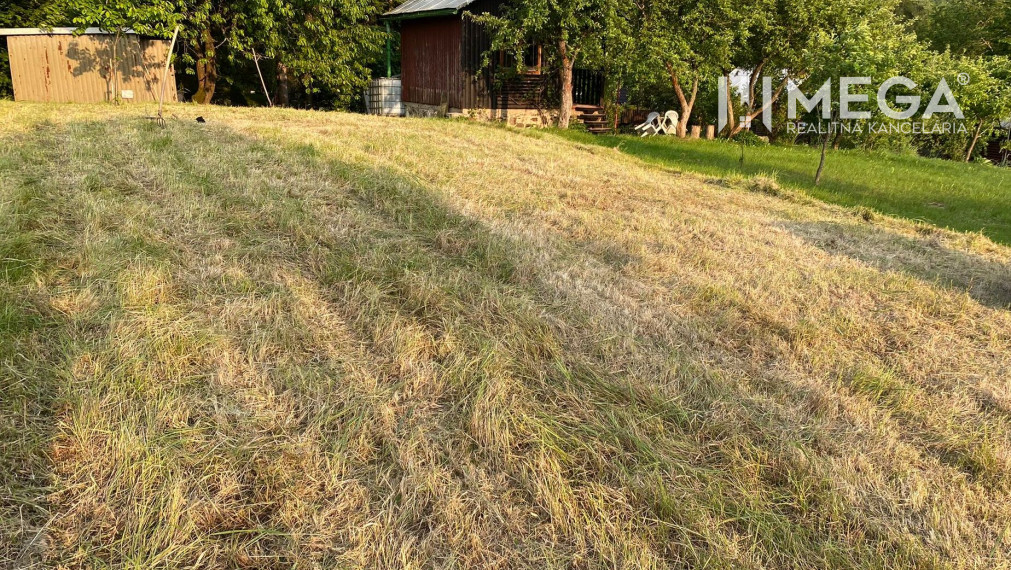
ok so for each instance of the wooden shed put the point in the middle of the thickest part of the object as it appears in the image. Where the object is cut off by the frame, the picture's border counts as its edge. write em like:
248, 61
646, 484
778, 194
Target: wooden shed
443, 71
58, 66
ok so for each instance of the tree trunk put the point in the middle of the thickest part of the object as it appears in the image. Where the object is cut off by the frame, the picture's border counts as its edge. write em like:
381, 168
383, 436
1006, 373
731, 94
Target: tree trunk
207, 69
115, 69
687, 103
837, 139
617, 109
687, 106
283, 95
752, 112
821, 163
565, 112
756, 74
975, 139
731, 119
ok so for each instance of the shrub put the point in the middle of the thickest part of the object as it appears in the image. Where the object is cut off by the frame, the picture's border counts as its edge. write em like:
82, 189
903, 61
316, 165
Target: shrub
748, 138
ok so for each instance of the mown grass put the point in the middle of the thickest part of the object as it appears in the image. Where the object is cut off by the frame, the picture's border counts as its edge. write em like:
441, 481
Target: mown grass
964, 197
293, 339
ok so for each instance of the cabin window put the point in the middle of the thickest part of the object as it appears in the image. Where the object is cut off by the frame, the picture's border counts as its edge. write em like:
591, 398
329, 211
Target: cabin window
533, 59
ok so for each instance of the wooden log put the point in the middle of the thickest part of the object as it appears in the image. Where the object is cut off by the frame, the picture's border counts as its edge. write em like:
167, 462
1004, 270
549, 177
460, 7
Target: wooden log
696, 131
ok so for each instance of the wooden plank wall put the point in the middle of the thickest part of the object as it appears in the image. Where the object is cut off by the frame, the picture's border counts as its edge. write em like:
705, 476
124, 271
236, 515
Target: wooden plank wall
430, 61
64, 68
477, 82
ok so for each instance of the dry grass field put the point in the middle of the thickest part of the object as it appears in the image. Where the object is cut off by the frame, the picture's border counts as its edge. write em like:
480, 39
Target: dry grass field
288, 339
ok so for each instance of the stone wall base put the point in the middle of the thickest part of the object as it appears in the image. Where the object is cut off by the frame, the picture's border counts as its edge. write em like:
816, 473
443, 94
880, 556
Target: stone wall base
422, 110
519, 117
515, 117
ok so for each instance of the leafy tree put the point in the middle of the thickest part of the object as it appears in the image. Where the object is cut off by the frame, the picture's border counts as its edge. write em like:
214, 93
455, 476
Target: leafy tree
781, 33
323, 43
208, 26
788, 37
571, 30
873, 46
974, 38
985, 99
22, 14
689, 40
967, 27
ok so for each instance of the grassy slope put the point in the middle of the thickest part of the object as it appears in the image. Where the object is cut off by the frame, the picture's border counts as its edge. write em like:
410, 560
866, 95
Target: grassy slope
293, 339
964, 197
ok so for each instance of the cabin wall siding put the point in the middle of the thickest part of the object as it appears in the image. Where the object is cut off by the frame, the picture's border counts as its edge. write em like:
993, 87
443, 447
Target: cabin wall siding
431, 72
477, 83
75, 69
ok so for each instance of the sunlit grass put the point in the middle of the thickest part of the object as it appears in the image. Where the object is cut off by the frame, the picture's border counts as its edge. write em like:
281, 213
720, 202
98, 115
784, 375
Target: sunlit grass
966, 197
295, 339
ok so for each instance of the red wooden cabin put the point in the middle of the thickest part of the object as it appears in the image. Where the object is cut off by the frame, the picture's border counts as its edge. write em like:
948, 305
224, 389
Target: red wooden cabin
443, 71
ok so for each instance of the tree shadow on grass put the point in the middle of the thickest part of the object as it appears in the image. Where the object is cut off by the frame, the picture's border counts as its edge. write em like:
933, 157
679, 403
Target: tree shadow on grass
528, 334
28, 397
31, 332
49, 320
985, 280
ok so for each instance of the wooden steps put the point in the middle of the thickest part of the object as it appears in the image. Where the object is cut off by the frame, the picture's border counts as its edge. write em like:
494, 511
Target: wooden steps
594, 117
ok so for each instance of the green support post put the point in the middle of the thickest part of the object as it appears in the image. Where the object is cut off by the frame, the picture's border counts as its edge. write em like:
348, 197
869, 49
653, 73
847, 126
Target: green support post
389, 50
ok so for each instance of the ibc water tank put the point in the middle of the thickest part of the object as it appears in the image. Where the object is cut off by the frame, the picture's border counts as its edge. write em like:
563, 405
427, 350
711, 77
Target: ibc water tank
383, 97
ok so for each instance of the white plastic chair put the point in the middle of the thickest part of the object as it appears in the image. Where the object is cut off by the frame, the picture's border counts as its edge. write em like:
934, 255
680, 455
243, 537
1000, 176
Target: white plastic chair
669, 123
650, 126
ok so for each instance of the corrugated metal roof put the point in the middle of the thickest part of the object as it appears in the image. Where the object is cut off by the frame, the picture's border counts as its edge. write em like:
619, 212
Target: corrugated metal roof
422, 6
52, 32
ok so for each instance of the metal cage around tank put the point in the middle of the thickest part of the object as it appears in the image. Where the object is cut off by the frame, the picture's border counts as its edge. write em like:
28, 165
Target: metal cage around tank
384, 97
